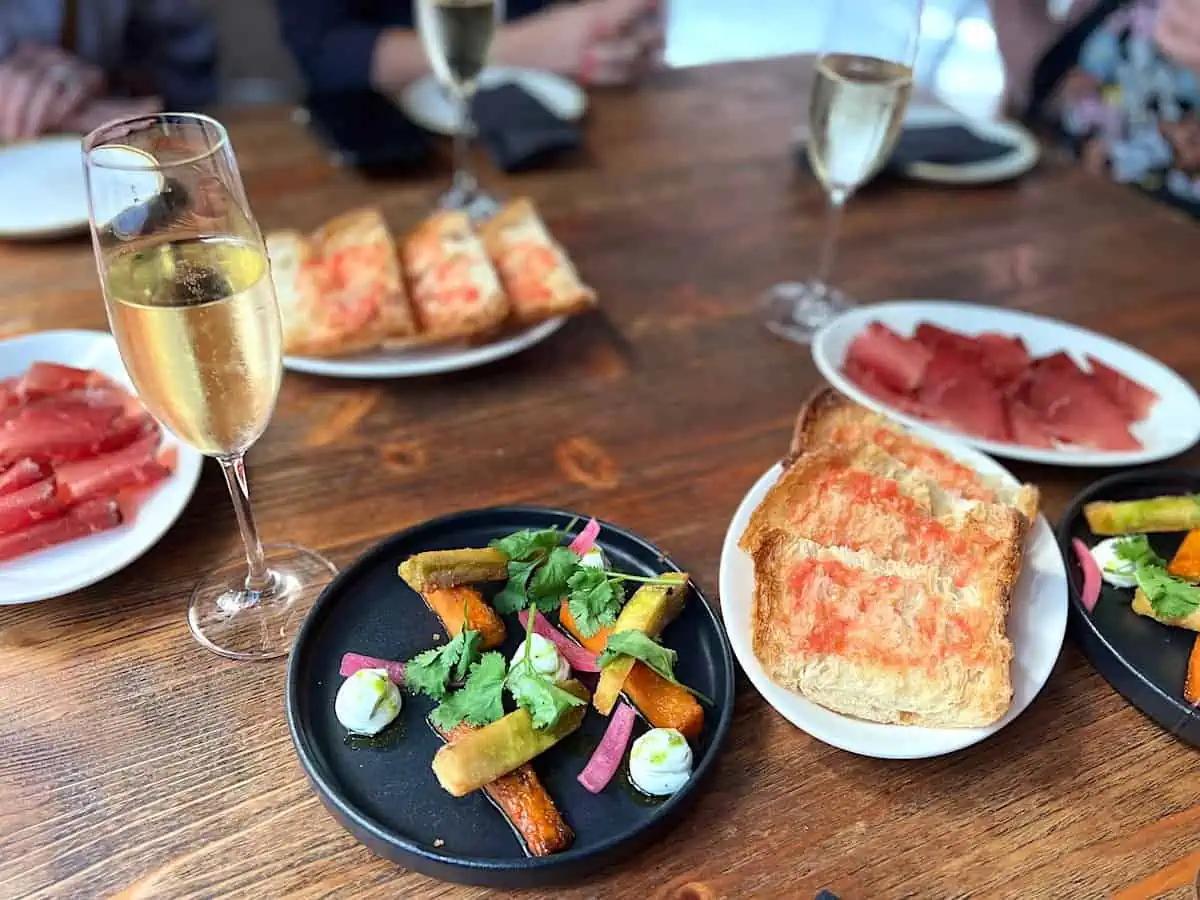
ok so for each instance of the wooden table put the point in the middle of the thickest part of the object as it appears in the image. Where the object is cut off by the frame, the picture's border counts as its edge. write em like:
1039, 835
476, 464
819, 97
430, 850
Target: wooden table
133, 763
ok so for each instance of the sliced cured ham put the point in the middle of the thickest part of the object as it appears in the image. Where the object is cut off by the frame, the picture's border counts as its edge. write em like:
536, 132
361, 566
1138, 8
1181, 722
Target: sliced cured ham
135, 466
28, 506
1074, 409
20, 474
956, 391
44, 378
81, 521
65, 433
1026, 427
1134, 399
934, 337
1003, 357
897, 361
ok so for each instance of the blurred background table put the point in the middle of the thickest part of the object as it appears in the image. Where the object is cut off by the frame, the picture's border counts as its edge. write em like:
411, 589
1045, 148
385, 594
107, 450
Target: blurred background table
134, 764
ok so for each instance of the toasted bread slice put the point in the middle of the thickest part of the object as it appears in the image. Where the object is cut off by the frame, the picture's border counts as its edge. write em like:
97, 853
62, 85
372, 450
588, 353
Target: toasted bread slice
290, 256
455, 290
864, 500
880, 640
829, 419
539, 277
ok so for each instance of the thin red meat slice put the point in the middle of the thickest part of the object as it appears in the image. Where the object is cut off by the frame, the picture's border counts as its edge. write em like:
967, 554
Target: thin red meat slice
21, 474
1134, 399
80, 521
44, 378
898, 361
28, 506
1072, 407
1025, 426
957, 393
869, 382
935, 337
134, 466
59, 434
1004, 357
8, 393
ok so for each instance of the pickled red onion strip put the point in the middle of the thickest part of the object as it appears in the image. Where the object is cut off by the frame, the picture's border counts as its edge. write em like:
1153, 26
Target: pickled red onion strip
1091, 575
577, 657
605, 761
586, 539
353, 662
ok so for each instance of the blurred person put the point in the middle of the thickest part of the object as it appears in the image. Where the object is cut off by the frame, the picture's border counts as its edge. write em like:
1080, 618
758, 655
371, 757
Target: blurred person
71, 65
346, 45
1119, 81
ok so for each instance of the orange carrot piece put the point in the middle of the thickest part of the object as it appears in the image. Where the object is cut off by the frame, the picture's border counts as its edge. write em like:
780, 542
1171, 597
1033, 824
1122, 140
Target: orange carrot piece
1191, 686
665, 705
1186, 563
449, 603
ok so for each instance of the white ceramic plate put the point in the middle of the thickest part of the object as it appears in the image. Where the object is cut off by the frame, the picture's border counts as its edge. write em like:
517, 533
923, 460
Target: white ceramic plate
42, 192
427, 104
69, 567
1024, 155
1037, 622
422, 360
1172, 427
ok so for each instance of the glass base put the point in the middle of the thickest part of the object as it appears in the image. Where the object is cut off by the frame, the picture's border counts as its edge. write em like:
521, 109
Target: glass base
228, 619
797, 310
467, 196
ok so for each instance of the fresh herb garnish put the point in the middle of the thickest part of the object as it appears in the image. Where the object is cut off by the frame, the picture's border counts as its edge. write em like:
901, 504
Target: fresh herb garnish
528, 544
595, 599
644, 648
480, 701
1136, 549
538, 568
1170, 597
545, 701
429, 672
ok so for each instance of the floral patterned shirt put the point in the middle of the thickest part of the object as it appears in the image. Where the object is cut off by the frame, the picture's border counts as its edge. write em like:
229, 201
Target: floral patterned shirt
1131, 113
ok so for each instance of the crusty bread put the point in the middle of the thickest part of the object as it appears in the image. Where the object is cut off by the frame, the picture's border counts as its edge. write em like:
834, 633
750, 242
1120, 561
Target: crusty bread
537, 274
289, 254
455, 290
829, 419
863, 500
880, 640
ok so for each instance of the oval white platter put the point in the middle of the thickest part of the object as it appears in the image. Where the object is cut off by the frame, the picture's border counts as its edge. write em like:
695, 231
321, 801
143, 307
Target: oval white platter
415, 361
78, 564
1037, 623
1172, 427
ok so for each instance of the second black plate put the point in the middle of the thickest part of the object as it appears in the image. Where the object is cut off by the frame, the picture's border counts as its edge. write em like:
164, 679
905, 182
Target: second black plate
1145, 661
387, 796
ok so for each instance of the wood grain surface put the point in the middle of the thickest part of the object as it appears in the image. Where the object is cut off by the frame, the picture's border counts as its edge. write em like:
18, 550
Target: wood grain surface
134, 764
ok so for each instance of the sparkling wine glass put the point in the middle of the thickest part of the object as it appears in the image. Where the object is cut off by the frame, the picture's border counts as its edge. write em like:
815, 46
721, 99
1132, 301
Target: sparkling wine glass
457, 37
862, 82
190, 301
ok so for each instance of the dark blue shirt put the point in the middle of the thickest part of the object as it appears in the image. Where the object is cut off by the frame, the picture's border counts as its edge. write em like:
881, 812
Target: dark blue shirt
333, 40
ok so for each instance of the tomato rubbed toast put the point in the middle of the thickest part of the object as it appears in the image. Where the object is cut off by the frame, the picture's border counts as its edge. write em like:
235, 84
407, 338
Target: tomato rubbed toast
540, 279
455, 290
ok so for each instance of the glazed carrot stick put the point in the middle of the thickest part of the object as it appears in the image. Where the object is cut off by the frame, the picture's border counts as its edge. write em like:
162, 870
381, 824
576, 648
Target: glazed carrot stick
1191, 685
665, 705
449, 604
1186, 562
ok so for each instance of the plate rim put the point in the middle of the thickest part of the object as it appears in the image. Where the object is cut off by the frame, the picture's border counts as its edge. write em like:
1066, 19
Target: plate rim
190, 460
1084, 459
539, 866
758, 677
459, 360
60, 229
1183, 712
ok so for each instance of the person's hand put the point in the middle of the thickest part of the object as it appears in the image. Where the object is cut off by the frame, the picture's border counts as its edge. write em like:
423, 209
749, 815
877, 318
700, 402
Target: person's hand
40, 87
1177, 32
105, 109
628, 42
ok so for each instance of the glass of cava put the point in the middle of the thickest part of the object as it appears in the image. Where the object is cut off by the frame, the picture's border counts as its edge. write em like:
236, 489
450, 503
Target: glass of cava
457, 36
862, 82
190, 301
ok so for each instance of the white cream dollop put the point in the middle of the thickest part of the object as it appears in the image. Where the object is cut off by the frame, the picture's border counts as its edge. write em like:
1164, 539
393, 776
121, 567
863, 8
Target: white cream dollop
594, 559
545, 658
660, 762
1116, 571
367, 702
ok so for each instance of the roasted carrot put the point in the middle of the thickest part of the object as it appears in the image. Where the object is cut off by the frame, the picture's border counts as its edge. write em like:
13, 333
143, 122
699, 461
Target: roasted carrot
526, 804
1191, 685
1186, 563
449, 604
665, 705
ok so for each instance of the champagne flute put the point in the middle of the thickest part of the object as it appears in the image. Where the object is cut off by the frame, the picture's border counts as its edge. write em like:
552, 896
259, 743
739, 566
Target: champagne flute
190, 301
860, 91
457, 37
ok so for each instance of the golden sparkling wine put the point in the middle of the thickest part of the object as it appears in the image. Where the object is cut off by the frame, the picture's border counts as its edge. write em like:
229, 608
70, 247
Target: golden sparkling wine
858, 105
457, 35
199, 331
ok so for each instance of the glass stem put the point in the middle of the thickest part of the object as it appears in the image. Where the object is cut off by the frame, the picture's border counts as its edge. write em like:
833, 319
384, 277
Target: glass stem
833, 229
462, 141
258, 578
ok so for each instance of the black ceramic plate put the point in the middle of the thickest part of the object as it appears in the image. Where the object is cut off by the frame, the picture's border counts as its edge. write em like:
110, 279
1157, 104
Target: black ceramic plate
387, 796
1145, 661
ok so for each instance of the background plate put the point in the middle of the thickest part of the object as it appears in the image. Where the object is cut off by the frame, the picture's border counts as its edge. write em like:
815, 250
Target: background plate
1143, 660
1037, 621
389, 798
42, 186
69, 567
1173, 425
423, 360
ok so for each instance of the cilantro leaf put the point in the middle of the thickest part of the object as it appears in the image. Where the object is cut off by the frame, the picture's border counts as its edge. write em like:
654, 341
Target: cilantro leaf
469, 652
645, 649
512, 599
549, 582
1170, 597
545, 700
429, 672
1137, 550
528, 545
595, 599
480, 701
